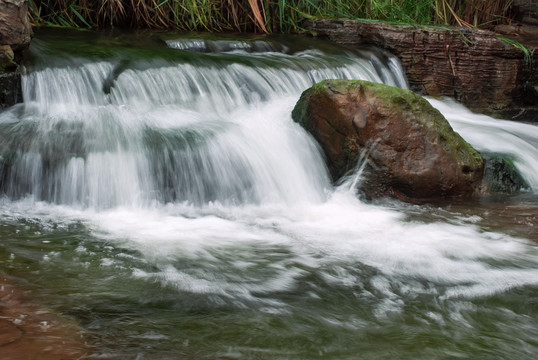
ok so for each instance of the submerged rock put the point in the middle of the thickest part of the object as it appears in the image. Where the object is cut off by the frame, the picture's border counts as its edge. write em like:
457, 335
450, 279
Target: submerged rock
28, 331
413, 154
501, 175
10, 89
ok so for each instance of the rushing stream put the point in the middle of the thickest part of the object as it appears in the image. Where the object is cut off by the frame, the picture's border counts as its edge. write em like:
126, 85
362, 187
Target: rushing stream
156, 190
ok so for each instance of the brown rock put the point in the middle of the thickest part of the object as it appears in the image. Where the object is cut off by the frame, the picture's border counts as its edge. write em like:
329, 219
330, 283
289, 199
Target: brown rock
413, 153
472, 66
526, 11
15, 30
15, 35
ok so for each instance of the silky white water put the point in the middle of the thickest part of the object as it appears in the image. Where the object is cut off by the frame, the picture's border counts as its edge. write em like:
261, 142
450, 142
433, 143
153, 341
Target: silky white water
171, 206
513, 139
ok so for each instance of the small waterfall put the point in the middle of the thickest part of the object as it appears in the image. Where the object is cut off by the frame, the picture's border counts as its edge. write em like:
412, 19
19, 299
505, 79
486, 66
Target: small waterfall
214, 128
516, 141
221, 46
200, 121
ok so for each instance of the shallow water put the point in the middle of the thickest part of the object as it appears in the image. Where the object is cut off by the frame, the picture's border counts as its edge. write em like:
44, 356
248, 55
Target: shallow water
174, 210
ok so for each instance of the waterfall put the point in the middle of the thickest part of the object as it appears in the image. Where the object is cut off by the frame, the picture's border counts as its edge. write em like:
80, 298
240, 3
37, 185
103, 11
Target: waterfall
131, 132
517, 141
211, 124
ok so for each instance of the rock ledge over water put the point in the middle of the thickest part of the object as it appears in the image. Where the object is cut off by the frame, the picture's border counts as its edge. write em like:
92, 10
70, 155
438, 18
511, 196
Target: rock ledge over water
474, 66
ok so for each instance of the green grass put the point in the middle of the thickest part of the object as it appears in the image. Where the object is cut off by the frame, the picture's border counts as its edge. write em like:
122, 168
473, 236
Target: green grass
266, 16
527, 53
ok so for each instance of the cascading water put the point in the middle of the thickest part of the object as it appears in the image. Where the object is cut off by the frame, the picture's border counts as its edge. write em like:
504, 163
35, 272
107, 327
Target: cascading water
159, 193
512, 139
98, 136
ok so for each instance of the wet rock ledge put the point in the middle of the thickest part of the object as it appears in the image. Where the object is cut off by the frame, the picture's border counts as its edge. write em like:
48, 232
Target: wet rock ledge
15, 36
475, 67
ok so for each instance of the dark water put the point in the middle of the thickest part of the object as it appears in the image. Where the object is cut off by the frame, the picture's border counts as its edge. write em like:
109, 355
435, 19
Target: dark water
159, 194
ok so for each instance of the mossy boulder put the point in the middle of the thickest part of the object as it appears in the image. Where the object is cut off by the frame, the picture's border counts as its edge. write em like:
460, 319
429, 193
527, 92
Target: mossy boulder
413, 154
